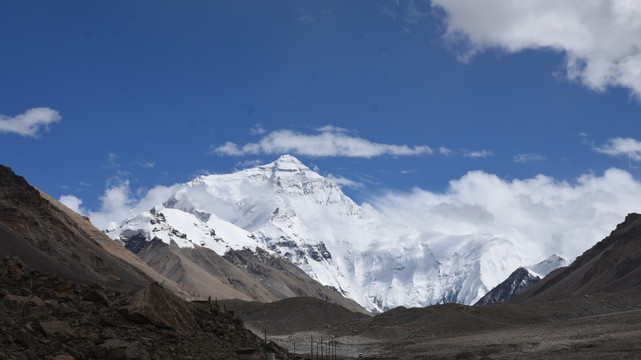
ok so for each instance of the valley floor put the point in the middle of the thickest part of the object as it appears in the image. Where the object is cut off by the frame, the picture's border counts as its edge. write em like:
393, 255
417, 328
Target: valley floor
595, 327
610, 336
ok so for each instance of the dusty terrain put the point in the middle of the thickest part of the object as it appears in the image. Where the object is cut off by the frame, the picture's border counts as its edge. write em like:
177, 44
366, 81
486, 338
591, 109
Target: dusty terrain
45, 316
573, 327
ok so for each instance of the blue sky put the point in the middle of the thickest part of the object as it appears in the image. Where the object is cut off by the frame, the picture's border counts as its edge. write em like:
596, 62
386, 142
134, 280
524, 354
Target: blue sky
394, 96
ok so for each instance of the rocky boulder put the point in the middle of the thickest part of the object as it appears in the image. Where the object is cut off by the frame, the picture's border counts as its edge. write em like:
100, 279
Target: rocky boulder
157, 306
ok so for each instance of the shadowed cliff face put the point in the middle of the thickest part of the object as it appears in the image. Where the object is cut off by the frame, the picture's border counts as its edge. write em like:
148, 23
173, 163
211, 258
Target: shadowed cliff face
612, 265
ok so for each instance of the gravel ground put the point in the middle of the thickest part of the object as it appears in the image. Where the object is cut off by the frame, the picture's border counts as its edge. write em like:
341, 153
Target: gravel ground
577, 334
346, 347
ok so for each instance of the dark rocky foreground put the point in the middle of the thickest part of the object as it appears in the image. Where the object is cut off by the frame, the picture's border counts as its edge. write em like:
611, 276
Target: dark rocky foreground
45, 316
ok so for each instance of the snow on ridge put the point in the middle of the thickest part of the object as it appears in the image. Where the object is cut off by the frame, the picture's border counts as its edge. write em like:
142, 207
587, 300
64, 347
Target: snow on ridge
546, 266
287, 209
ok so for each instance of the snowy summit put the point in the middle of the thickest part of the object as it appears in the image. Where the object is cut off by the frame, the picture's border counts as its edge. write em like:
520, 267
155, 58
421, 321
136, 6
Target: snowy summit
291, 211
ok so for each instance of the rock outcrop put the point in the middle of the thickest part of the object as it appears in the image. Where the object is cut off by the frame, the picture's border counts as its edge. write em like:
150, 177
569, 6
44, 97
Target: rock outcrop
44, 316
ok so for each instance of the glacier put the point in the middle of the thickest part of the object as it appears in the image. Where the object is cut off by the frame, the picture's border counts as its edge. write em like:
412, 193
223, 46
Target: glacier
289, 210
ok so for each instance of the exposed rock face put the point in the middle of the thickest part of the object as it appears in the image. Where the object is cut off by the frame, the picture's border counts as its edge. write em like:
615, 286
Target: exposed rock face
284, 279
517, 282
154, 305
240, 274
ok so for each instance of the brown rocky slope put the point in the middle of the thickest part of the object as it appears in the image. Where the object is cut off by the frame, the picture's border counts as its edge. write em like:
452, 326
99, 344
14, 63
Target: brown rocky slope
45, 316
49, 237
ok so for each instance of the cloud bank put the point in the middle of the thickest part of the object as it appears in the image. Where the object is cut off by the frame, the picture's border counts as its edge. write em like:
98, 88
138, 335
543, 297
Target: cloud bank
599, 38
30, 123
327, 142
542, 214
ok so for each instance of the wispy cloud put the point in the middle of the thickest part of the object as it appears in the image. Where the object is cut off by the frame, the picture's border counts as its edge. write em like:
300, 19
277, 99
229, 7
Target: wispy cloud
410, 12
527, 157
473, 154
600, 39
304, 16
343, 181
445, 151
248, 163
257, 130
148, 164
327, 141
478, 154
30, 123
626, 147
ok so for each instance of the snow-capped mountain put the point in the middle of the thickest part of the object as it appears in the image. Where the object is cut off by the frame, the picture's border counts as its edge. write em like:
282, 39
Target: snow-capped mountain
521, 279
548, 265
287, 209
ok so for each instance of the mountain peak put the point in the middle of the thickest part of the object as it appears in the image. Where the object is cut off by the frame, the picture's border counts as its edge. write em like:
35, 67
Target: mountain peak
288, 162
287, 158
287, 166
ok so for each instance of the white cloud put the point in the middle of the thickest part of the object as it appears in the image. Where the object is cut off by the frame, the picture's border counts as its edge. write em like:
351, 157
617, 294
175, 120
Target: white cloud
118, 203
148, 164
542, 214
328, 141
245, 164
30, 123
445, 151
599, 38
257, 130
343, 181
527, 157
478, 154
73, 203
627, 147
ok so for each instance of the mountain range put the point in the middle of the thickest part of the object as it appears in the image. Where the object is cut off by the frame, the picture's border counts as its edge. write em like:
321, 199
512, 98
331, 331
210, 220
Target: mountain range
284, 209
69, 291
